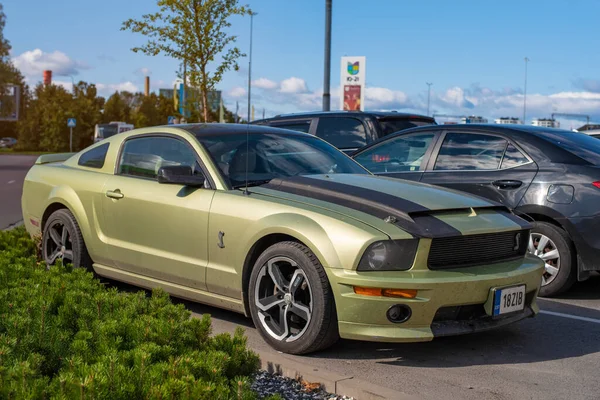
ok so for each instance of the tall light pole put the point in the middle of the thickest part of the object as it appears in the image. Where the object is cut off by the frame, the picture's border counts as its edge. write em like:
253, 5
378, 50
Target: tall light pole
525, 92
252, 14
428, 95
327, 71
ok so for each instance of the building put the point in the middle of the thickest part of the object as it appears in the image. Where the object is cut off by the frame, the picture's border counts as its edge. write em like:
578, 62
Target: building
589, 127
474, 120
507, 120
546, 122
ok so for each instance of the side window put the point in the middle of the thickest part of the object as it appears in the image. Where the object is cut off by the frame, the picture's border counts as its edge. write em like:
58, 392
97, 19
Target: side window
342, 132
143, 157
513, 158
401, 154
300, 126
470, 151
94, 158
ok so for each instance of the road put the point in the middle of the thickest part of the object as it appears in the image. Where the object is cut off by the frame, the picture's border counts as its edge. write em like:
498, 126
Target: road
553, 356
13, 169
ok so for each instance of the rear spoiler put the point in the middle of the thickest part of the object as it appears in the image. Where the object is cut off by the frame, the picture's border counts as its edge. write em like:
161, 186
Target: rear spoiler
52, 158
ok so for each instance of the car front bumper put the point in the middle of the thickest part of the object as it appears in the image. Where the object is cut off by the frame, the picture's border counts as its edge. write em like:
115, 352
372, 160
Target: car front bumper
448, 302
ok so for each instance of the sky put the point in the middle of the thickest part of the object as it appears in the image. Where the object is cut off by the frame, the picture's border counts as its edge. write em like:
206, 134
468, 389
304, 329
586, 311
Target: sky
472, 52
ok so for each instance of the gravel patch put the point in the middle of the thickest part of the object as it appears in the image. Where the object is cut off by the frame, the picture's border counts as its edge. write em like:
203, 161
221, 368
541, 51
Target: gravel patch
266, 384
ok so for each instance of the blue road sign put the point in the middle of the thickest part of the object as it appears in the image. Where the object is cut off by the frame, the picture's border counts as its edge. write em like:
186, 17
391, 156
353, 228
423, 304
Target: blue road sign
171, 120
71, 122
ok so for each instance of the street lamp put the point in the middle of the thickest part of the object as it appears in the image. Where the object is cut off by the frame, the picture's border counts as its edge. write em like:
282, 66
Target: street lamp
252, 14
525, 92
327, 69
428, 95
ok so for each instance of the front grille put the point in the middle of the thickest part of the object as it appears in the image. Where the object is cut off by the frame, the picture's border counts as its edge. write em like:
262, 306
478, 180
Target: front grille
471, 250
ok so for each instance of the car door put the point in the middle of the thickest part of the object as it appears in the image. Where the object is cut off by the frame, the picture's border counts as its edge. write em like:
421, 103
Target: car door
346, 133
401, 156
153, 229
484, 164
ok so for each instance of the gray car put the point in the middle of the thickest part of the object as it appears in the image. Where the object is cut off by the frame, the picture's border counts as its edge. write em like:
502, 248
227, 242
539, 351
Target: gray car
549, 176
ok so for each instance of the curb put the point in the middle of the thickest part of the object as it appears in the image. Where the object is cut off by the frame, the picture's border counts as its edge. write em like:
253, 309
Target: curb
349, 386
13, 225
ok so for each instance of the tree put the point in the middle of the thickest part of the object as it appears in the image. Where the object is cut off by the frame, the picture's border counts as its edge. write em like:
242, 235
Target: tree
193, 32
86, 108
115, 109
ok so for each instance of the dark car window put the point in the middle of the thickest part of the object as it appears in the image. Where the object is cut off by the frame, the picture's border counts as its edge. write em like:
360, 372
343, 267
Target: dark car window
300, 126
107, 130
577, 143
342, 132
402, 153
513, 158
94, 158
263, 156
389, 125
144, 156
466, 151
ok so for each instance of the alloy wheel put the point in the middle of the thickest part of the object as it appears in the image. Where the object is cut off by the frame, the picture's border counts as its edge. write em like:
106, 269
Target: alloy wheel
58, 244
284, 299
543, 247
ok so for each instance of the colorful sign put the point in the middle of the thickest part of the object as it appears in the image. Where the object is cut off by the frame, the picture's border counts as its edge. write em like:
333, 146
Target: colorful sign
352, 83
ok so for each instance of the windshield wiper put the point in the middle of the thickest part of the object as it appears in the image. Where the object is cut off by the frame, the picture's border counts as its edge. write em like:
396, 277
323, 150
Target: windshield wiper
252, 183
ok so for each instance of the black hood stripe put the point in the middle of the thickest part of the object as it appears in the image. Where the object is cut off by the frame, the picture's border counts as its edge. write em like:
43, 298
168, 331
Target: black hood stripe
516, 219
372, 202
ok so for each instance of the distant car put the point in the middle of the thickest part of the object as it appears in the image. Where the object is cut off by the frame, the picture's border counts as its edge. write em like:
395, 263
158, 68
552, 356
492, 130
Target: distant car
283, 227
550, 176
7, 142
348, 130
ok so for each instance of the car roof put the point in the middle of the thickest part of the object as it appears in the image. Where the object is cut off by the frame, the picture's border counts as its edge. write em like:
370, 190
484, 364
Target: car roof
203, 129
507, 129
376, 114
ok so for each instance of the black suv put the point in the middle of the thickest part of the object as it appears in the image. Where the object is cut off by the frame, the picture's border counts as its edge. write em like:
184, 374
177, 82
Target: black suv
348, 130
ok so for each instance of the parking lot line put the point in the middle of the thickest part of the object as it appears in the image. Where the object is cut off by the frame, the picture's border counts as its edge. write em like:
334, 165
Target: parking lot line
557, 314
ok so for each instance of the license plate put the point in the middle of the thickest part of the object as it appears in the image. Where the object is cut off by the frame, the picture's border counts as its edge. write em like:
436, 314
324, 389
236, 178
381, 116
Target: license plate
509, 300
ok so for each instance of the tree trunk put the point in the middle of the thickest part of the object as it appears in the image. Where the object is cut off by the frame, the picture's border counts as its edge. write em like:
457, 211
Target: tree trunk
205, 104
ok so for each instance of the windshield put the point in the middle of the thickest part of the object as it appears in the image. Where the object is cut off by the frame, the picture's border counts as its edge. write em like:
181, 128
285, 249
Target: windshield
270, 156
107, 130
389, 126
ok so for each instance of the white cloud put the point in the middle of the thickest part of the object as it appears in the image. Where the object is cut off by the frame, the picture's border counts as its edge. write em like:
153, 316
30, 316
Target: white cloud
114, 87
237, 92
32, 64
264, 83
378, 98
67, 85
144, 71
293, 85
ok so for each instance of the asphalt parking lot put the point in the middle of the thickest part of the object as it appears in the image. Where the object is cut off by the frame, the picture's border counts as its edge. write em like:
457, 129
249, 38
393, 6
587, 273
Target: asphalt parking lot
553, 356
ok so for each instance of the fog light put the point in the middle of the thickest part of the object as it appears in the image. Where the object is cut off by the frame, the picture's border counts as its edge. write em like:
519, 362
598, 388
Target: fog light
399, 313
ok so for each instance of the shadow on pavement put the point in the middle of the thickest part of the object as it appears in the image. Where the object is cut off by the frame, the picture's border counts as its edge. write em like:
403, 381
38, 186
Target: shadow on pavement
533, 340
586, 290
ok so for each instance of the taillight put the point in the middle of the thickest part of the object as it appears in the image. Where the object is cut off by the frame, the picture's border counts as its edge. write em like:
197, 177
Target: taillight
597, 184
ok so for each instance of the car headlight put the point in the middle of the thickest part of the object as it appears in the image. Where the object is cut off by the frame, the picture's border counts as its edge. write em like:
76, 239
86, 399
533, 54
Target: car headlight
389, 255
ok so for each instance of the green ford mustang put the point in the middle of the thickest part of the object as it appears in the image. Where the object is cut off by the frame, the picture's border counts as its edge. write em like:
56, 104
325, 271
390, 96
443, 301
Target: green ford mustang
283, 227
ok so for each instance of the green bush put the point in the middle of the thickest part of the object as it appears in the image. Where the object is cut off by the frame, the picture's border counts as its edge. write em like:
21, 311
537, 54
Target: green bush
64, 335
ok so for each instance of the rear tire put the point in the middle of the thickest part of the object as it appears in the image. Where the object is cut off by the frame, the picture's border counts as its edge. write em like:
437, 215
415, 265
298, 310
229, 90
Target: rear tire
62, 239
300, 317
546, 241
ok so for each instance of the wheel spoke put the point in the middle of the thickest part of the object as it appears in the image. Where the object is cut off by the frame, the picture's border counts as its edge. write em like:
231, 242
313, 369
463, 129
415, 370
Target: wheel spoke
296, 281
267, 303
53, 257
549, 255
551, 269
282, 326
65, 234
530, 246
542, 244
300, 310
55, 236
68, 255
277, 276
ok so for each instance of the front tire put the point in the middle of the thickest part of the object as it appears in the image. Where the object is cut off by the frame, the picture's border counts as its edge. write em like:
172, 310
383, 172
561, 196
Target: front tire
62, 239
291, 301
554, 247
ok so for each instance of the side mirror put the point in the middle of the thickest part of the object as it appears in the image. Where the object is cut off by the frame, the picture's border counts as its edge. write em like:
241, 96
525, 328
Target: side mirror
180, 175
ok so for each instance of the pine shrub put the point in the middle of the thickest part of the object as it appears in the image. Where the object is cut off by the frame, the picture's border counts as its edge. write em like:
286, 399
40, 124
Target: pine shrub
64, 335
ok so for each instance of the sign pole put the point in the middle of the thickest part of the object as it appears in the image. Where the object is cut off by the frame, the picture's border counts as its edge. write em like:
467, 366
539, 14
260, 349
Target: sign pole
71, 141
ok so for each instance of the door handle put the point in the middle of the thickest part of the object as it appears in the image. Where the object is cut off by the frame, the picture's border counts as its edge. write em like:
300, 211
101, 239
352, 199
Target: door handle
507, 184
115, 194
